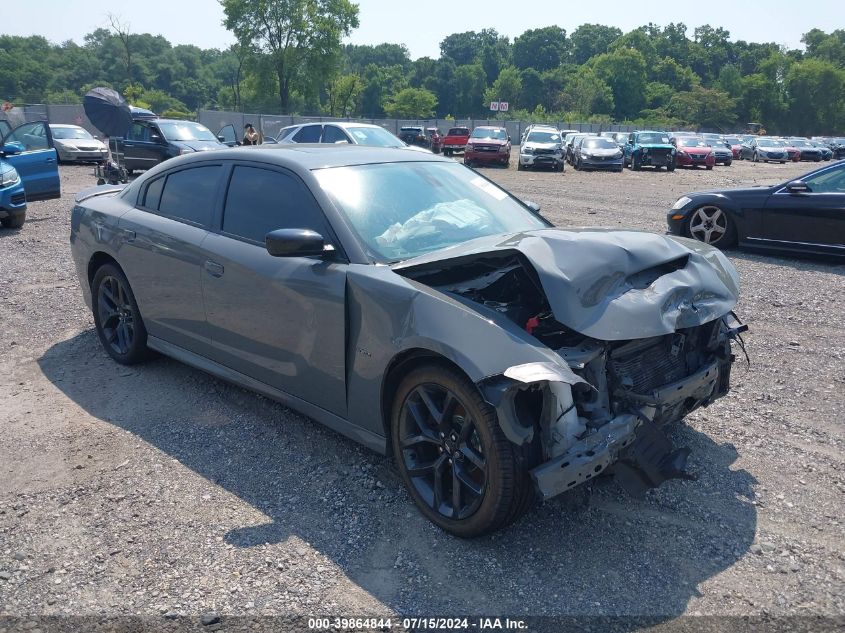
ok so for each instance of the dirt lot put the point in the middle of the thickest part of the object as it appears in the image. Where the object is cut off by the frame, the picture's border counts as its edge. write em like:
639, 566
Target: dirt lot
161, 490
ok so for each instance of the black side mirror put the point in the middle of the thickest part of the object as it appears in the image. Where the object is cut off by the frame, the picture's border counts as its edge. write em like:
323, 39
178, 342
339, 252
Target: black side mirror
798, 186
155, 138
221, 138
532, 206
294, 243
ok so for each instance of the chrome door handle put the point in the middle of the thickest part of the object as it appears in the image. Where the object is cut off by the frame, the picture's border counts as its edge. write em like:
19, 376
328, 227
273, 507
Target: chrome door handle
213, 268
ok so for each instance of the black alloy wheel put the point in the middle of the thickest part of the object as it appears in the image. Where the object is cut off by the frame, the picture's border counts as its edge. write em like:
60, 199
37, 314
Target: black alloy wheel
117, 318
456, 463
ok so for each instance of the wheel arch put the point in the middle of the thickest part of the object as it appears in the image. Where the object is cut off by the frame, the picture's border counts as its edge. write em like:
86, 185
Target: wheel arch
97, 261
400, 366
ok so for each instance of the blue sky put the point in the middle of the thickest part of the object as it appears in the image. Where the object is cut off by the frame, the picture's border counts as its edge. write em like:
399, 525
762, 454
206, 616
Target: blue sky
421, 26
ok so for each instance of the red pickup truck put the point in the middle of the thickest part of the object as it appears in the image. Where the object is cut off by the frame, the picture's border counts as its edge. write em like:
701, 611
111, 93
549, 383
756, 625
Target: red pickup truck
455, 140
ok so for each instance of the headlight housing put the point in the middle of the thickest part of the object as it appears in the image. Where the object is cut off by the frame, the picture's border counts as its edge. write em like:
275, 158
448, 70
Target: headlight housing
469, 147
186, 150
527, 150
9, 177
504, 148
681, 202
645, 150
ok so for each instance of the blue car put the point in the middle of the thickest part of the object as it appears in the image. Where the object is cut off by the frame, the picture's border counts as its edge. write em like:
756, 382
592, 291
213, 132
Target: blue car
29, 169
647, 148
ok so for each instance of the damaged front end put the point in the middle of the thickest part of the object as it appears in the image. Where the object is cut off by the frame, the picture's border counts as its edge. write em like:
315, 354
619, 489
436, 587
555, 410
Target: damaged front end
605, 414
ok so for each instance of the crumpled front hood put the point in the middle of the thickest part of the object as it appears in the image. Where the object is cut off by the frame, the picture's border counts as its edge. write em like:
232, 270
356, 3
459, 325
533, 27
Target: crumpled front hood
614, 285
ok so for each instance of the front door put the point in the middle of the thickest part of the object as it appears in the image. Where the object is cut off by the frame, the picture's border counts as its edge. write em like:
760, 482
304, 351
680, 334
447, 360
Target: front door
280, 320
37, 164
815, 218
143, 147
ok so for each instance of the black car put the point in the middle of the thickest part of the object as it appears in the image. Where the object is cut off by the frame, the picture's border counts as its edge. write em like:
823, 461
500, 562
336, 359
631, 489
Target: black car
805, 216
149, 142
808, 150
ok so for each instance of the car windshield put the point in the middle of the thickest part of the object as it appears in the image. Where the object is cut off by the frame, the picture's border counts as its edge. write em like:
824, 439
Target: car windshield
599, 143
402, 210
692, 141
653, 138
492, 133
374, 136
767, 142
543, 137
458, 131
802, 144
733, 141
185, 131
70, 132
410, 129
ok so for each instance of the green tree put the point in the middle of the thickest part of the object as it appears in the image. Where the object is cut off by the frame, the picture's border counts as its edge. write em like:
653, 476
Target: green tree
706, 107
411, 103
343, 94
507, 87
589, 40
470, 83
624, 70
815, 92
587, 93
295, 34
540, 49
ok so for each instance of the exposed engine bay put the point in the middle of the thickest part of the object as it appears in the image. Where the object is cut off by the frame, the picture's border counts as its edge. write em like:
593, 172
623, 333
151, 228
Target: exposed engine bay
629, 389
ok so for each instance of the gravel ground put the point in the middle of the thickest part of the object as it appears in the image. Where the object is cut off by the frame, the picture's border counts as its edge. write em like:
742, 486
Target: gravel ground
160, 490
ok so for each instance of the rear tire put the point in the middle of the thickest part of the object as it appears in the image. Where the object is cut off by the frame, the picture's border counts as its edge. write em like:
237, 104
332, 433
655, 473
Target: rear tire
444, 435
520, 166
15, 222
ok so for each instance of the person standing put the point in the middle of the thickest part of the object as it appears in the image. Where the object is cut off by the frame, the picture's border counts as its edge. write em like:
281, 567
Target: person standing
251, 136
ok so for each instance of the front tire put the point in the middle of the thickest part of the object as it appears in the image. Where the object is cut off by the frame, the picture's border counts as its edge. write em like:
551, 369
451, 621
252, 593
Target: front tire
712, 225
117, 317
15, 222
636, 164
459, 468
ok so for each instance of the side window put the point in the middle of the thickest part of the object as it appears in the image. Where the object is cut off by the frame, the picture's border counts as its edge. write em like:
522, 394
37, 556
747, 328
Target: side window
152, 196
308, 134
32, 135
333, 134
830, 181
631, 138
286, 133
261, 200
139, 132
189, 194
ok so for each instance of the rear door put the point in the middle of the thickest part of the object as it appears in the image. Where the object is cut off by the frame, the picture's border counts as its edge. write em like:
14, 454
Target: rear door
814, 220
308, 134
162, 255
37, 164
279, 320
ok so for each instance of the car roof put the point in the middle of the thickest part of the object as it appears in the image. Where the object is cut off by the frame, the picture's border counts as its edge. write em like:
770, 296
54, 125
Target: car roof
65, 125
316, 155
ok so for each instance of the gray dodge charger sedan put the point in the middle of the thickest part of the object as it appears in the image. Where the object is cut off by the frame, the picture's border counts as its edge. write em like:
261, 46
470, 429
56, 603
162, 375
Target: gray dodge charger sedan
416, 307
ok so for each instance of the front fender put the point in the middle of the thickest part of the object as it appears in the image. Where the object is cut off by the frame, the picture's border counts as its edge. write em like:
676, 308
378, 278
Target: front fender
389, 315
